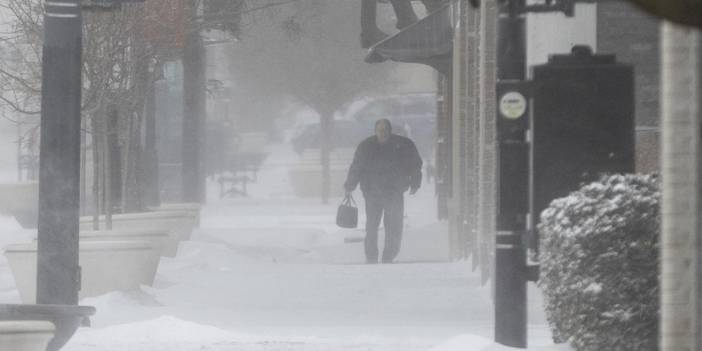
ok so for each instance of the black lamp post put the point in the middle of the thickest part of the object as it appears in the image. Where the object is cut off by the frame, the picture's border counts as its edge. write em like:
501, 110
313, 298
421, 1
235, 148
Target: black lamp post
58, 273
513, 170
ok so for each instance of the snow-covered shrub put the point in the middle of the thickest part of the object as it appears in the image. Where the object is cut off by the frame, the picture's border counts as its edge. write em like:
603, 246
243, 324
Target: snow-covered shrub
599, 264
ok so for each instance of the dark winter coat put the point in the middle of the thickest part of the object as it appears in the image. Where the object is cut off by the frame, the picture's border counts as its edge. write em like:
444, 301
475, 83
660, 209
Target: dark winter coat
385, 168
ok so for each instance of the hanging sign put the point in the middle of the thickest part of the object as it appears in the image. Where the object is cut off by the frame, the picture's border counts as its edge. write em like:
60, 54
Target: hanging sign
513, 105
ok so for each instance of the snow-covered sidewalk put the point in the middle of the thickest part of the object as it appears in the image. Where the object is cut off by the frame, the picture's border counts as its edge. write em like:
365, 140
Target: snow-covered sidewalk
271, 272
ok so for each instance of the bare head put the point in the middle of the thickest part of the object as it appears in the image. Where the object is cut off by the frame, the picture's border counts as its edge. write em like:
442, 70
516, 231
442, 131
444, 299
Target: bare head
383, 129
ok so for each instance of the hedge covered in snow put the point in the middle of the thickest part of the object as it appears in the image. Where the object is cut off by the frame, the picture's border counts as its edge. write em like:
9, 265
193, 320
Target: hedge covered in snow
599, 264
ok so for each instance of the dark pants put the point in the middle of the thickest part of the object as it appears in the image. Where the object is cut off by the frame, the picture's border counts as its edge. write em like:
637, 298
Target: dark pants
391, 208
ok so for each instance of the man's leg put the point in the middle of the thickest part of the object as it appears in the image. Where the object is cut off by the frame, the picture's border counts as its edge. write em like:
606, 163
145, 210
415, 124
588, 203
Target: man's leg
394, 207
374, 210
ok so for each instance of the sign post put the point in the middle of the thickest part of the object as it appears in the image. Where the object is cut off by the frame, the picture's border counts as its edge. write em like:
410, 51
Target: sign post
513, 204
513, 177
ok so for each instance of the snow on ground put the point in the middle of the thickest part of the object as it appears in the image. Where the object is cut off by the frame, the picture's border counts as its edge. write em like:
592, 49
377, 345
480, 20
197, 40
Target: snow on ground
10, 233
271, 272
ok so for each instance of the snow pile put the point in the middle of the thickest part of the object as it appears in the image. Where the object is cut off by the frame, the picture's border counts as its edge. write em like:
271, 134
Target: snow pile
599, 260
164, 333
464, 342
8, 222
12, 233
469, 342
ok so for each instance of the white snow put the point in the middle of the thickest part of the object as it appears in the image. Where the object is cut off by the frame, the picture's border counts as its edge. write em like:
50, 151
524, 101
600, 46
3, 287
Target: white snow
594, 288
272, 272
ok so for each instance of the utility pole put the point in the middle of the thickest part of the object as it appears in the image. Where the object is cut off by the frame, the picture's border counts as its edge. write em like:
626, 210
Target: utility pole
58, 273
513, 184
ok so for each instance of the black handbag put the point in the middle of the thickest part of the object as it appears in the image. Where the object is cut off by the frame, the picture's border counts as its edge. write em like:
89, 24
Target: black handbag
347, 213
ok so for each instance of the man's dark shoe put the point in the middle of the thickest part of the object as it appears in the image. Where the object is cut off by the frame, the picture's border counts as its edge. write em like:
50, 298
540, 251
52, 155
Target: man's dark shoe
371, 261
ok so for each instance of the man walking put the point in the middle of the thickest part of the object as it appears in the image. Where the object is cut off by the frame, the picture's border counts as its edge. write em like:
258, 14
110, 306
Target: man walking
386, 165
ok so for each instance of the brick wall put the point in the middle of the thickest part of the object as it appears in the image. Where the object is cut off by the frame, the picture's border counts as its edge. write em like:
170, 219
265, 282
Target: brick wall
634, 37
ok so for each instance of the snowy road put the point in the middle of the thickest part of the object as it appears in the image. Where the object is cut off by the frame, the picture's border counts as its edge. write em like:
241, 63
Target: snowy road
273, 273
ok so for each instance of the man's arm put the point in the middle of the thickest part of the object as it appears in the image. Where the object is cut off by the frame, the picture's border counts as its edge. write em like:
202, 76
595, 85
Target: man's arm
415, 168
354, 175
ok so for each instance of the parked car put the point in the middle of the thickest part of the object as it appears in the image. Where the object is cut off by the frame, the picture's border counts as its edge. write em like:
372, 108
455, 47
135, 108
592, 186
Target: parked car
346, 134
412, 115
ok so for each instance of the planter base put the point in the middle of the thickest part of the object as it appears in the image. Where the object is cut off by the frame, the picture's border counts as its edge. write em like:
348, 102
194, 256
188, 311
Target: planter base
25, 335
106, 266
66, 319
179, 225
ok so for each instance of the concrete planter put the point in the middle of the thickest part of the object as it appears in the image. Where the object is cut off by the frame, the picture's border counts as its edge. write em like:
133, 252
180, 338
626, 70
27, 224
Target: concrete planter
20, 200
306, 176
157, 238
106, 266
192, 207
64, 318
178, 206
25, 335
306, 180
178, 224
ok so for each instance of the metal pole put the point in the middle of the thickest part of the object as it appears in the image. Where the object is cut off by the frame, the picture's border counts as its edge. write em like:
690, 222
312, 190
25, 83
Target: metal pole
513, 170
58, 273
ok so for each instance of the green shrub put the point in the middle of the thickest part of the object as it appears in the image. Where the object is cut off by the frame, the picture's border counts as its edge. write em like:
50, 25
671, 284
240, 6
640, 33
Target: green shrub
599, 264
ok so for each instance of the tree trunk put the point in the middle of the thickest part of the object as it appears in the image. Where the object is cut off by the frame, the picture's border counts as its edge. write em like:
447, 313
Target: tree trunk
20, 140
83, 168
133, 187
194, 85
131, 199
325, 148
113, 165
106, 176
96, 145
150, 155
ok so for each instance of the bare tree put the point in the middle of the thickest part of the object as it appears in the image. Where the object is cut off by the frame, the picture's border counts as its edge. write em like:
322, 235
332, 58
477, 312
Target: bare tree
116, 75
307, 50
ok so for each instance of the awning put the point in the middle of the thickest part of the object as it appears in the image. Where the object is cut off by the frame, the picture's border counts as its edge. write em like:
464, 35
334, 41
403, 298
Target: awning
428, 41
688, 12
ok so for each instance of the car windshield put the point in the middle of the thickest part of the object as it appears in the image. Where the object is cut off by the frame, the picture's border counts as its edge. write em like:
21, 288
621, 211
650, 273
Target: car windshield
397, 107
378, 109
420, 105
